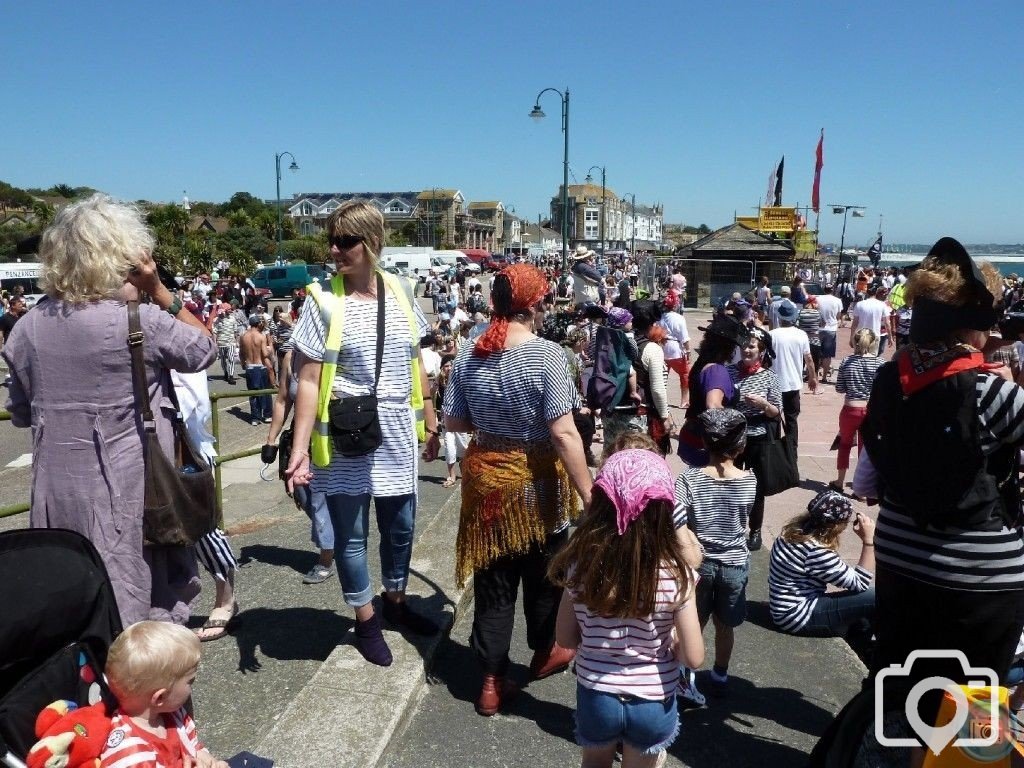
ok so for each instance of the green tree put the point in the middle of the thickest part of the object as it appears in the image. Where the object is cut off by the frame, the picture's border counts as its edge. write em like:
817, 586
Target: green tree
396, 238
239, 219
63, 190
43, 213
243, 248
14, 197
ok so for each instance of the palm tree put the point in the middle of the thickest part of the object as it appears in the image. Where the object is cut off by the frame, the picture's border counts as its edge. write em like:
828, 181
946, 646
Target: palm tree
43, 212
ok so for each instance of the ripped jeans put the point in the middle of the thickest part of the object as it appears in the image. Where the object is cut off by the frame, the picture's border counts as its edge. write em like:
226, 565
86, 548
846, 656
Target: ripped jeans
350, 517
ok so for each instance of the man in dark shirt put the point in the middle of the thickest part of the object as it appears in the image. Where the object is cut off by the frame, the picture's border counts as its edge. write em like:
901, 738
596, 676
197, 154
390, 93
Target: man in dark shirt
10, 317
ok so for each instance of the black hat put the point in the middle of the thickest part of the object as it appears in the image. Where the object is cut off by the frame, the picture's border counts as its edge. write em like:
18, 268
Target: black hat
933, 320
728, 328
766, 341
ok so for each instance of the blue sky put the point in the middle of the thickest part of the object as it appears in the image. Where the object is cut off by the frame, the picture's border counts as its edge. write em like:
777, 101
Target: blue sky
687, 104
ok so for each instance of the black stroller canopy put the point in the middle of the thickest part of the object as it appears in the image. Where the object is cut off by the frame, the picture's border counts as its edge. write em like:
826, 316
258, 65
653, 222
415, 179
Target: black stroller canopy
59, 615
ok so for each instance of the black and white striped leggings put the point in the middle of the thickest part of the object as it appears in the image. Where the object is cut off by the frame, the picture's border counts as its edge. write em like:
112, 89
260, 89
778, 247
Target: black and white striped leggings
214, 552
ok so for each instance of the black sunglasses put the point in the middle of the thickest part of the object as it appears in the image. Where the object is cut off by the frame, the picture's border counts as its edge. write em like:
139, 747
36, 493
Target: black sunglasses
344, 242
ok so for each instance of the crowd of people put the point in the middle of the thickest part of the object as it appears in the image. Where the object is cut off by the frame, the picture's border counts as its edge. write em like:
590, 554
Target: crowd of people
622, 565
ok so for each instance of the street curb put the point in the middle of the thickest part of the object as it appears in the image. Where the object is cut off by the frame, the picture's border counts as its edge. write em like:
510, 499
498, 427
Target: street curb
350, 710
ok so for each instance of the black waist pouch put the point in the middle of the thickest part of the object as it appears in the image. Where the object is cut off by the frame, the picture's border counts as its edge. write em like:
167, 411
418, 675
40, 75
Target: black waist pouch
355, 425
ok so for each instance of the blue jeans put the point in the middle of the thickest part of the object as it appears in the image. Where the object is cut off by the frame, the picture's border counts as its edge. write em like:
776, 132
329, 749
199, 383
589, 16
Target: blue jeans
257, 377
605, 718
836, 612
315, 506
722, 592
350, 517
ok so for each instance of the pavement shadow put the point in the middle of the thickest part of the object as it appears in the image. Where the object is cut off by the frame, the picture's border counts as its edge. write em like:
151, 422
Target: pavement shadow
814, 485
299, 560
707, 735
288, 634
241, 412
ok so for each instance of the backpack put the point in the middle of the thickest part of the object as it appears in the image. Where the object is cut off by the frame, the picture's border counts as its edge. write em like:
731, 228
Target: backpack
608, 383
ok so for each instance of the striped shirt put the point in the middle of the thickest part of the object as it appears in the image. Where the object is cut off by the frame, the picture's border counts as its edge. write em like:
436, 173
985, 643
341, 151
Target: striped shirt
716, 510
512, 392
631, 656
799, 573
953, 557
764, 384
391, 469
857, 375
225, 330
129, 746
809, 321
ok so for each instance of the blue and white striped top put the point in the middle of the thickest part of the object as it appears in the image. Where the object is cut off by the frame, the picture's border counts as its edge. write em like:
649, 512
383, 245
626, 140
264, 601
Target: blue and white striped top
391, 469
716, 511
513, 392
798, 575
857, 375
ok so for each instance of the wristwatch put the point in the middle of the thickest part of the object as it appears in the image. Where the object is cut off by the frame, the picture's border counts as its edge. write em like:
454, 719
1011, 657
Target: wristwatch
175, 307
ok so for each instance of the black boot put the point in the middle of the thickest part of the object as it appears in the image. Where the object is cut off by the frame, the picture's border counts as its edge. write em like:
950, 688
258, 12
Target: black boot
370, 642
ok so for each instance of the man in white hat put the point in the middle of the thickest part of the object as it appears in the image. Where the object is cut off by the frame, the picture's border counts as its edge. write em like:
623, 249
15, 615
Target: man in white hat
586, 280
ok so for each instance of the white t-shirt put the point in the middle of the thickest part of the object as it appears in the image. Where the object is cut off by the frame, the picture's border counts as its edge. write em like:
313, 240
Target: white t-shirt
675, 326
790, 345
829, 307
869, 313
431, 361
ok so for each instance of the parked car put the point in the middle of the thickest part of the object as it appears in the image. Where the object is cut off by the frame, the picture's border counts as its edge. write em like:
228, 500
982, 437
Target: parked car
495, 262
283, 280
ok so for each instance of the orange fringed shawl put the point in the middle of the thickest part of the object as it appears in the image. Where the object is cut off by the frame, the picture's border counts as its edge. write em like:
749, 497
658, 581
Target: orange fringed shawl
513, 496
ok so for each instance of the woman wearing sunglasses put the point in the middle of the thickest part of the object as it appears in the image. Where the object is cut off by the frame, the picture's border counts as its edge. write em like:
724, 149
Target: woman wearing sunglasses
336, 341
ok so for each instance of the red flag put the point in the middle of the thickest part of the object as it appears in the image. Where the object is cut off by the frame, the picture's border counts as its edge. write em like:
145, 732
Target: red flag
818, 163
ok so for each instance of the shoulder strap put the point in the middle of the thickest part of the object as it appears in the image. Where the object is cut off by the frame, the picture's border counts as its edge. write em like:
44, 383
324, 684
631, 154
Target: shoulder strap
135, 340
381, 298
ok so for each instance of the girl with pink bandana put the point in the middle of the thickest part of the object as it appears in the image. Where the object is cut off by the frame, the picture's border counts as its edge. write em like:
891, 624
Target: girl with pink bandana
628, 609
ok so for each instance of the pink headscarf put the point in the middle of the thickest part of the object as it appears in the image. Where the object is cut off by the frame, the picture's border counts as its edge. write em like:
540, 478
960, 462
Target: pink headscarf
633, 478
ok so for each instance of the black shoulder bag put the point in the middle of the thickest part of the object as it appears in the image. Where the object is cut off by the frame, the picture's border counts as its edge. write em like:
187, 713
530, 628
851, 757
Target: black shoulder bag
180, 500
355, 425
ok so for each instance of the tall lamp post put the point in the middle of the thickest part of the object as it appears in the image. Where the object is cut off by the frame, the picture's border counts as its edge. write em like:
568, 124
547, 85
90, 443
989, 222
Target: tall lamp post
537, 114
844, 209
590, 180
293, 167
632, 243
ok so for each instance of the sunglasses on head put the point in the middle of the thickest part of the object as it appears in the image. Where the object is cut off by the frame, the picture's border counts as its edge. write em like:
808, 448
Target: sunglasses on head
344, 242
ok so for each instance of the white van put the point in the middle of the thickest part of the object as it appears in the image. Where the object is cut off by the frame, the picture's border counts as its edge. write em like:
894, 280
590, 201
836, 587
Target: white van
25, 274
409, 259
448, 258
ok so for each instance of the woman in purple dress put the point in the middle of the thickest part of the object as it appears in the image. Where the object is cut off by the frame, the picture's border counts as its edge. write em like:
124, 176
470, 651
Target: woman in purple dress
71, 383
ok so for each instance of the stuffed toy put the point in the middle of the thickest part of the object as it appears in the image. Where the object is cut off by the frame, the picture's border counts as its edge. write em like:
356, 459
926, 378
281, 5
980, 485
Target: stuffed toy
70, 736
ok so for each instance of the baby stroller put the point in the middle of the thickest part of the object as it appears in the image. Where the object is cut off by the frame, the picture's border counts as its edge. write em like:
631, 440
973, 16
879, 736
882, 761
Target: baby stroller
59, 619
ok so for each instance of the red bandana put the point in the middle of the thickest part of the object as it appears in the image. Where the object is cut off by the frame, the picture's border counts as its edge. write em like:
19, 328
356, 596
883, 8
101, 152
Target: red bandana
920, 366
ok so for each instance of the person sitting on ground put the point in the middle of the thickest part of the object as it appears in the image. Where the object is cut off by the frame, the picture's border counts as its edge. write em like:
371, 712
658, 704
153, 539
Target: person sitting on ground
855, 379
715, 503
805, 562
151, 667
627, 590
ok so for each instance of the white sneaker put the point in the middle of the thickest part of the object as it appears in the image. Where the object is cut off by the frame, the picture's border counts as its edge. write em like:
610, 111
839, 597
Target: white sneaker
687, 691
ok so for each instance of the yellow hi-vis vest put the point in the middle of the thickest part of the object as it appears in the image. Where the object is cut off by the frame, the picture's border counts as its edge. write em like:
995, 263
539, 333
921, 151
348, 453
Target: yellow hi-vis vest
332, 313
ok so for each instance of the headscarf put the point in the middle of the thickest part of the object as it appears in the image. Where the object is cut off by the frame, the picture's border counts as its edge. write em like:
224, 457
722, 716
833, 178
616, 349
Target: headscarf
724, 430
632, 479
619, 317
825, 509
526, 286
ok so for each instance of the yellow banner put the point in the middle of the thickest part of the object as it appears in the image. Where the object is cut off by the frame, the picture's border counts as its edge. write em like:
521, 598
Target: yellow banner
750, 222
777, 219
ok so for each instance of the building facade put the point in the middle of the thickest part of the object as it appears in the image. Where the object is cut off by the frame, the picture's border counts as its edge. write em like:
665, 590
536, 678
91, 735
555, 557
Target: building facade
624, 225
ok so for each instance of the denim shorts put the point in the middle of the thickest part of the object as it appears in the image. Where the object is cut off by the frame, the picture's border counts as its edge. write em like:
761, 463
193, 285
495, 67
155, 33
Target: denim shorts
606, 718
722, 591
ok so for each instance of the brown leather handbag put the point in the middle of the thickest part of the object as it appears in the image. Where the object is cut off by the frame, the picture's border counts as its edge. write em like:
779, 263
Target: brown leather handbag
180, 500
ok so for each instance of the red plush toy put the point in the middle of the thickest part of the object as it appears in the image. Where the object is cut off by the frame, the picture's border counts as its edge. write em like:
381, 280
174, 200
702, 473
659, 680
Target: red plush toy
70, 736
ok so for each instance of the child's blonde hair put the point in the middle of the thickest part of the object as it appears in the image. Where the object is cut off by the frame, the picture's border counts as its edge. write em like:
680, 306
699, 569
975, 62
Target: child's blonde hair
150, 655
625, 441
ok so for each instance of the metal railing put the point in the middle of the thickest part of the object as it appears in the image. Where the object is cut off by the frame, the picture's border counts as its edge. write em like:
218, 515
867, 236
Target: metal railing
18, 509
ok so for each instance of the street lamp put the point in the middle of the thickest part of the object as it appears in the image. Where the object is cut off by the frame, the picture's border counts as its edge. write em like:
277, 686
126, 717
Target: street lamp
632, 244
844, 209
537, 114
590, 180
293, 167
